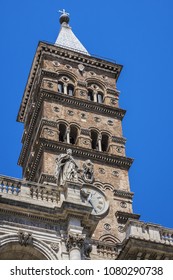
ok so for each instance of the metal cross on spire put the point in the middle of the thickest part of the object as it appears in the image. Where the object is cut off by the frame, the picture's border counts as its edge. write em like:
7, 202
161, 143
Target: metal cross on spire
63, 12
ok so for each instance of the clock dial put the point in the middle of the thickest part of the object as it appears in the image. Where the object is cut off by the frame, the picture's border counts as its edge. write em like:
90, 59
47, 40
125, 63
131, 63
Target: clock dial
96, 199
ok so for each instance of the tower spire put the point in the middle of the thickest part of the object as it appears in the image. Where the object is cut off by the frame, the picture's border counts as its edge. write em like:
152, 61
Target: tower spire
66, 38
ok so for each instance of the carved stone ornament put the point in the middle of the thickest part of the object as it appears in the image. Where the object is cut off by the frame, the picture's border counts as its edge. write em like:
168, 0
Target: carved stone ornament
123, 204
104, 77
88, 171
110, 122
87, 249
113, 101
119, 149
102, 171
81, 67
25, 238
75, 241
56, 109
55, 247
49, 131
56, 63
115, 173
65, 79
85, 132
49, 84
68, 66
97, 119
66, 168
107, 227
82, 93
70, 113
121, 229
83, 116
86, 142
92, 73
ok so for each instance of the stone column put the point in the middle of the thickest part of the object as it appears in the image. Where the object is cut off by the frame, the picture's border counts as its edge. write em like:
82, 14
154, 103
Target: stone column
95, 95
68, 135
75, 239
65, 88
74, 246
99, 142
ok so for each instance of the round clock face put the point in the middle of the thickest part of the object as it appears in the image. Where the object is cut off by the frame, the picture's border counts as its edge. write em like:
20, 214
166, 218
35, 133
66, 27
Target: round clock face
96, 199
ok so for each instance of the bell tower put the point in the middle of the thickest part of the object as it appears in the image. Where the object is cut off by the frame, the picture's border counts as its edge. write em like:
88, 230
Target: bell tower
73, 139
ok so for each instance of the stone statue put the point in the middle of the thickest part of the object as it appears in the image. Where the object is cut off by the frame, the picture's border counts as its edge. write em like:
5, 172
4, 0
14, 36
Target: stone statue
88, 172
66, 168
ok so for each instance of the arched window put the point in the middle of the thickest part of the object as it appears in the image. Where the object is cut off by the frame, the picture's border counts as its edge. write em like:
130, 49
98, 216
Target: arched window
60, 87
94, 140
73, 134
70, 90
90, 95
100, 97
104, 142
62, 132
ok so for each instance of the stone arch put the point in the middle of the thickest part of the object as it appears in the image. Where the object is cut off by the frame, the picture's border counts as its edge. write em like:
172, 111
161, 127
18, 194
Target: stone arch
62, 121
109, 238
68, 74
103, 187
108, 187
76, 124
11, 249
106, 132
96, 90
97, 82
98, 185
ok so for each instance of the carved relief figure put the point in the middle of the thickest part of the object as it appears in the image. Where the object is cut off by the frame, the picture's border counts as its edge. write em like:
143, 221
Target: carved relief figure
66, 168
88, 173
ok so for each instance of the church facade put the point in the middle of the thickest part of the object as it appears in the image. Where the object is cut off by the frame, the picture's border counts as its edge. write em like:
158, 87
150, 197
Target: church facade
74, 200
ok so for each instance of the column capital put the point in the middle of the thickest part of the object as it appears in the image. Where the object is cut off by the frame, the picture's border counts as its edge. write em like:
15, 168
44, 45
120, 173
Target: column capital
75, 241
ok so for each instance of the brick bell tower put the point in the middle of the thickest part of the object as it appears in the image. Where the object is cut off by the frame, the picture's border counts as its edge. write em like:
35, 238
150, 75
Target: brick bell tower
73, 145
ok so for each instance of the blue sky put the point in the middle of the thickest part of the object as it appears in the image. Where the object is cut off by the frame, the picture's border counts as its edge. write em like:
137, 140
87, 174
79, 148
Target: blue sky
138, 35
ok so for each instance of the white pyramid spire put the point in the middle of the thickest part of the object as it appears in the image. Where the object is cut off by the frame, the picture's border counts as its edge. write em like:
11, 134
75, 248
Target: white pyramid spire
66, 37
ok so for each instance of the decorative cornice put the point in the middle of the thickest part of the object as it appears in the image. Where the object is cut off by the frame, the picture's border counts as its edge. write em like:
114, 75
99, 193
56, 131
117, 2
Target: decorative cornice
60, 147
119, 140
58, 52
123, 194
122, 217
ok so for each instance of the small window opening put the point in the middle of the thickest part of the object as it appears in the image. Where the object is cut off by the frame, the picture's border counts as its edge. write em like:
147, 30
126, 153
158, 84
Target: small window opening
90, 96
100, 97
60, 87
73, 134
94, 140
70, 90
62, 132
104, 142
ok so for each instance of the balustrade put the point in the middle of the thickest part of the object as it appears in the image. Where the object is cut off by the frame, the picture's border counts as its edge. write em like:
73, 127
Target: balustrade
9, 185
44, 193
148, 231
40, 192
